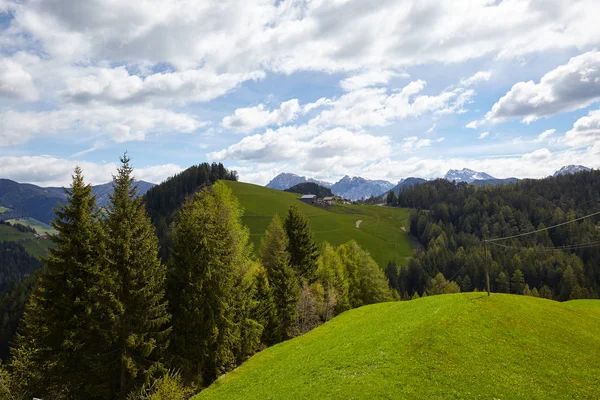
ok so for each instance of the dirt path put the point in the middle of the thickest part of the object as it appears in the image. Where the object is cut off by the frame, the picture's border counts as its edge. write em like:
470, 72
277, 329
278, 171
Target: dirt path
358, 223
403, 228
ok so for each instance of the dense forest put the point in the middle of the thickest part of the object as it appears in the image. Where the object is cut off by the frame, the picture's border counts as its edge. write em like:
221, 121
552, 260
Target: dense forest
452, 221
15, 264
310, 188
141, 327
164, 200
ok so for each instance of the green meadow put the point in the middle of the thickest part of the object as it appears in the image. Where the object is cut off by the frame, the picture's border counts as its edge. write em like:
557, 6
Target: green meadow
380, 232
34, 246
455, 346
40, 227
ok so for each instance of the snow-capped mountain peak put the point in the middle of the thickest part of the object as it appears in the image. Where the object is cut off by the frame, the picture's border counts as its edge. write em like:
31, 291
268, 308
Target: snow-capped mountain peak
466, 175
571, 169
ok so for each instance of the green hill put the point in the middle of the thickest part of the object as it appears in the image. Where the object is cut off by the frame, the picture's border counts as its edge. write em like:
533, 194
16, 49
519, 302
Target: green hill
379, 232
458, 346
34, 246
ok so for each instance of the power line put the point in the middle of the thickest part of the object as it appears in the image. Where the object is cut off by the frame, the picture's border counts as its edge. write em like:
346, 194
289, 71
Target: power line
541, 230
566, 247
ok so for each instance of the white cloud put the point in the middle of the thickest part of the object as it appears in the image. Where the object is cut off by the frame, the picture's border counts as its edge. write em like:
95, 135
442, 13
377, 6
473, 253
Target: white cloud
121, 124
413, 143
568, 87
481, 76
15, 82
249, 118
52, 171
483, 135
473, 124
586, 131
369, 79
117, 85
332, 149
538, 155
544, 135
380, 107
289, 35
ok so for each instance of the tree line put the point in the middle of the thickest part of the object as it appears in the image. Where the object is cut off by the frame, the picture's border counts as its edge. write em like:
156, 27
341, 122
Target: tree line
451, 221
107, 319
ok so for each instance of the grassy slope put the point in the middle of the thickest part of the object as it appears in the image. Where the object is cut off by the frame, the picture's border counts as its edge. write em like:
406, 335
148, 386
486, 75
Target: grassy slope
451, 346
40, 227
35, 247
379, 231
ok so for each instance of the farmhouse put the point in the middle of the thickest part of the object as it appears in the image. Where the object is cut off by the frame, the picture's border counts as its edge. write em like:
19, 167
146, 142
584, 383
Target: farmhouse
328, 200
309, 198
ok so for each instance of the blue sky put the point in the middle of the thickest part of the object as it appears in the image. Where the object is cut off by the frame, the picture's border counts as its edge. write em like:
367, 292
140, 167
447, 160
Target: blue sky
383, 90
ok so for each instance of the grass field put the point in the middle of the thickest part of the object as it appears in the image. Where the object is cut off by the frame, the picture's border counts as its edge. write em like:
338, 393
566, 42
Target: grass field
457, 346
3, 209
40, 227
379, 233
35, 247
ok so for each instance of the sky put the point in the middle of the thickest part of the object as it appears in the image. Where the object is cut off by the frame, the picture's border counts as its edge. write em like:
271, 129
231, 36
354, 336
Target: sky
323, 88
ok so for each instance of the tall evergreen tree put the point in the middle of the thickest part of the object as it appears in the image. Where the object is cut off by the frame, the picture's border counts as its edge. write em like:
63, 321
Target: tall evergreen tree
142, 332
517, 282
301, 246
282, 278
210, 249
66, 330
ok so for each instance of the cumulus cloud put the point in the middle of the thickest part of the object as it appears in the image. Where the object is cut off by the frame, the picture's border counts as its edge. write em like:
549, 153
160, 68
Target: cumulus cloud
538, 155
413, 143
483, 135
249, 118
368, 79
122, 124
568, 87
331, 148
380, 107
544, 135
117, 85
53, 171
481, 76
15, 82
586, 131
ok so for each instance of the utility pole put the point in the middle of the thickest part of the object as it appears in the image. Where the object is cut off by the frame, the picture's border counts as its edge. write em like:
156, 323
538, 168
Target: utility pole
487, 270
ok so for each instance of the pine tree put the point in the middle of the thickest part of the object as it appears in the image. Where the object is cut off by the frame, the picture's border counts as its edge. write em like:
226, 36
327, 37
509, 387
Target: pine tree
282, 278
466, 285
142, 332
302, 247
264, 308
61, 349
210, 247
502, 283
517, 282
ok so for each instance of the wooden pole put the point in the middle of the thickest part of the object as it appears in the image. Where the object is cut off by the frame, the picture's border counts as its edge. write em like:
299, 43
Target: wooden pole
487, 270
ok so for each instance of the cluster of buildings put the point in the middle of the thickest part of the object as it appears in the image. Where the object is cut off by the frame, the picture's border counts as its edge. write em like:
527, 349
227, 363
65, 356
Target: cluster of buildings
330, 200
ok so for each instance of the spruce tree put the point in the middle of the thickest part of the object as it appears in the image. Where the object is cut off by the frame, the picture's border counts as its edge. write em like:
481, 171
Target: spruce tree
66, 329
282, 278
142, 331
210, 247
264, 311
301, 246
517, 283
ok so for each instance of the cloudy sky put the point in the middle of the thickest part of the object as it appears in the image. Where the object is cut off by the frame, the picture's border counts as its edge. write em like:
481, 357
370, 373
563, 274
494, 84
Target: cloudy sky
323, 88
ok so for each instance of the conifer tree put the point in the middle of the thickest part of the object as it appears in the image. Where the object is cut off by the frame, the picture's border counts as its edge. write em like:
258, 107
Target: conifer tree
142, 331
66, 329
210, 249
264, 307
466, 285
283, 280
517, 283
301, 246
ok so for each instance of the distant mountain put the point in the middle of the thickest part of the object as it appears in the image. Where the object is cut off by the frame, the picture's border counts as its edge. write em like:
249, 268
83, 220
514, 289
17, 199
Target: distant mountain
26, 200
357, 188
405, 184
494, 181
286, 180
310, 188
466, 175
571, 169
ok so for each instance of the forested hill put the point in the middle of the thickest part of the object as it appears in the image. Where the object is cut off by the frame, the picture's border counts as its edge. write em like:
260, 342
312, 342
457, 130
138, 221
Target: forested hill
310, 188
164, 200
561, 263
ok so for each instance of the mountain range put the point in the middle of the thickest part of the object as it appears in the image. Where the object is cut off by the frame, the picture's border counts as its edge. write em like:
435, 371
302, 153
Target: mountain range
356, 188
27, 200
